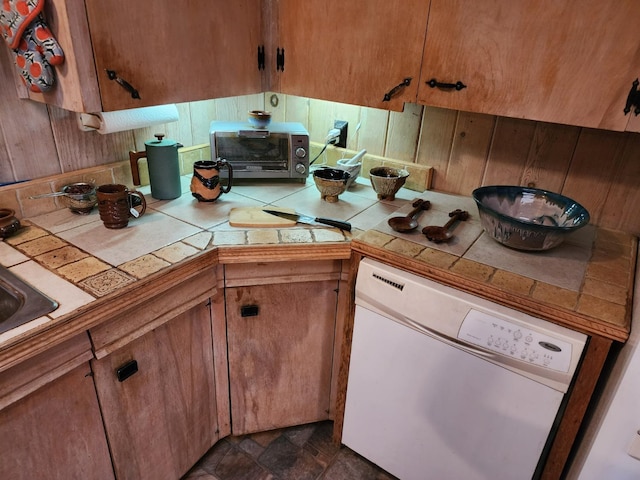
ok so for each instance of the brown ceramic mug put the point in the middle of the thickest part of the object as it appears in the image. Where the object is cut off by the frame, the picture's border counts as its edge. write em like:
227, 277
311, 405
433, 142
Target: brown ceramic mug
116, 204
205, 183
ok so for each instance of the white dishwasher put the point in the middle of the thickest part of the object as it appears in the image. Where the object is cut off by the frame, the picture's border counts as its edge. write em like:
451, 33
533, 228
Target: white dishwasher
446, 385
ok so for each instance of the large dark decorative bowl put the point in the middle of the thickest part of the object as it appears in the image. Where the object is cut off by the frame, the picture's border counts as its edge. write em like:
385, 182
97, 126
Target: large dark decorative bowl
528, 218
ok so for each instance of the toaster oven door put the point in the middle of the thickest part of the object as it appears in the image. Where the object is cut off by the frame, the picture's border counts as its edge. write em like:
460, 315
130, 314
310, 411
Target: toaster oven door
255, 153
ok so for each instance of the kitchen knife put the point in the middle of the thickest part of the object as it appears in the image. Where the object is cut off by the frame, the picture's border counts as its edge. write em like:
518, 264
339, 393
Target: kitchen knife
300, 218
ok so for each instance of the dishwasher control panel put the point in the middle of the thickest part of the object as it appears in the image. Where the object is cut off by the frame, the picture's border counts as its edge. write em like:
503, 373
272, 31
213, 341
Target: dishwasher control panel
516, 341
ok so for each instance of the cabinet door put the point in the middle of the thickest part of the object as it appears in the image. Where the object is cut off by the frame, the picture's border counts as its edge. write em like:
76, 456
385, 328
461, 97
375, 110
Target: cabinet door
173, 51
352, 51
568, 62
162, 418
55, 432
280, 344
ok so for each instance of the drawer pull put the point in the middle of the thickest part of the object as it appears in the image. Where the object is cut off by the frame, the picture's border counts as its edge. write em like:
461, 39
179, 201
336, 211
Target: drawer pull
126, 370
433, 83
280, 59
123, 83
261, 57
394, 91
633, 99
249, 310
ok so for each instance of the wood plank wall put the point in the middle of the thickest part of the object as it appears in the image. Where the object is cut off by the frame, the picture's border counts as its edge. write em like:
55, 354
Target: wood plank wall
598, 168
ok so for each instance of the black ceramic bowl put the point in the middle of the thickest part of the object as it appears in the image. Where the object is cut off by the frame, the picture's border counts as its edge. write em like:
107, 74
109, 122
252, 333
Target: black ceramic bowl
528, 218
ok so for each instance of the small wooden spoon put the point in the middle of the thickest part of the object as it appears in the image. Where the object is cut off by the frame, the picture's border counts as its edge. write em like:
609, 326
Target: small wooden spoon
410, 222
442, 234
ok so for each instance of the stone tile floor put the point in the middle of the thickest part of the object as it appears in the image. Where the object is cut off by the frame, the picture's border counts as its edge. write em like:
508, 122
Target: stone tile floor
298, 453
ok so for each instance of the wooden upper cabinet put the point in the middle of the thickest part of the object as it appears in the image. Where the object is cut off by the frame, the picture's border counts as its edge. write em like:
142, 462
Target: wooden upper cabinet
569, 62
174, 52
351, 51
168, 52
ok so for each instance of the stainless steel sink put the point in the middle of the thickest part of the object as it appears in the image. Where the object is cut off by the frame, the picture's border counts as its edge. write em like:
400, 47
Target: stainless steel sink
20, 302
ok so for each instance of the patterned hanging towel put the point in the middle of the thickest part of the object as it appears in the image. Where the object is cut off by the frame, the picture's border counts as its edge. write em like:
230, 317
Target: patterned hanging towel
33, 45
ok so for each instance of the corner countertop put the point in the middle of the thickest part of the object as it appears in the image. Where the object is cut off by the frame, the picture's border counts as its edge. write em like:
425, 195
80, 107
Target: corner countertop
585, 284
82, 265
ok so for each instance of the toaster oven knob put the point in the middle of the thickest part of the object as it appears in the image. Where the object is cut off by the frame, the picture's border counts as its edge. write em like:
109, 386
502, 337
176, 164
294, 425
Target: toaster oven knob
301, 152
301, 169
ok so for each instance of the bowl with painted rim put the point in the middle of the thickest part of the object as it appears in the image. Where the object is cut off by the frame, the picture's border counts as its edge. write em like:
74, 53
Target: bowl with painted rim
528, 218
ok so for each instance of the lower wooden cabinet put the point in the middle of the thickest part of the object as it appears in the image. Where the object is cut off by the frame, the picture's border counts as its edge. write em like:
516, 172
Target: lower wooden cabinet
158, 398
280, 334
50, 425
146, 394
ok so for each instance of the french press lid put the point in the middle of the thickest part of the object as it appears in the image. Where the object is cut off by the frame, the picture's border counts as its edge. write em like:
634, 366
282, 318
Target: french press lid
159, 141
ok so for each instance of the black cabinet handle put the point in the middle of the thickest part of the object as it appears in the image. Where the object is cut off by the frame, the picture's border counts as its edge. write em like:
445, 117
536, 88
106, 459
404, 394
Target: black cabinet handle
261, 57
123, 83
249, 311
633, 99
126, 370
280, 59
394, 91
433, 83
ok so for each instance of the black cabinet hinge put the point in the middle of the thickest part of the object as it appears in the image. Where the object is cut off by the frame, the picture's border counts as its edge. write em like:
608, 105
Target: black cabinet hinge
260, 57
633, 99
280, 59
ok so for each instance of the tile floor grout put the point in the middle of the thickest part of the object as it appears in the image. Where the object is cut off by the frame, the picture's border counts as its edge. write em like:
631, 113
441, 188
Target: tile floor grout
303, 452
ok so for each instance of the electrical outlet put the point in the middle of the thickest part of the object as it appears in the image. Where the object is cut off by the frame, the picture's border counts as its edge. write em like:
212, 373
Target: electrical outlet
342, 126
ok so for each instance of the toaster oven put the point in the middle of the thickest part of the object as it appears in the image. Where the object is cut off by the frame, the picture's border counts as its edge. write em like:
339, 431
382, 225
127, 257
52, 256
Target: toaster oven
281, 150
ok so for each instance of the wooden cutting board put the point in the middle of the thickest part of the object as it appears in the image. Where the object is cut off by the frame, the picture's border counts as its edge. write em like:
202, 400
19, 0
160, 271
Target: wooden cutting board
255, 217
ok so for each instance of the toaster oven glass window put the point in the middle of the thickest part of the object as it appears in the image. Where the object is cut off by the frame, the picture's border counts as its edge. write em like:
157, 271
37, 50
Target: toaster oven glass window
252, 153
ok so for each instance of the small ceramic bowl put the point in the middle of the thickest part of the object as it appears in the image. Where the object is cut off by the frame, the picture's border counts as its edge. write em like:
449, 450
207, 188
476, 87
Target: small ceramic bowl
259, 118
386, 181
9, 224
80, 197
331, 182
528, 218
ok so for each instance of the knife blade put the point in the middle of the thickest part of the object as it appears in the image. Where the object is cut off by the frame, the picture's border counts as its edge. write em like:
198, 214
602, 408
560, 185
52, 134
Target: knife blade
308, 219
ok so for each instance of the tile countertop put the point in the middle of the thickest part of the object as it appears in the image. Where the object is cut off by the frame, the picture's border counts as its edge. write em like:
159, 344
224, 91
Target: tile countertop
75, 260
586, 283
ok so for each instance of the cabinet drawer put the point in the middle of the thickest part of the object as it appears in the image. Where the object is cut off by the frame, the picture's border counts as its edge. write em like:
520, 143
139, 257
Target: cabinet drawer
36, 372
151, 313
243, 274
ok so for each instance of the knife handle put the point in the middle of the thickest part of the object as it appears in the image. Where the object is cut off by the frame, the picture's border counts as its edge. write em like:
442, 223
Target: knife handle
335, 223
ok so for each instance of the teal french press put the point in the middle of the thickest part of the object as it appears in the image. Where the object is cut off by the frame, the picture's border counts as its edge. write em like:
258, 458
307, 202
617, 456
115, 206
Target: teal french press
164, 167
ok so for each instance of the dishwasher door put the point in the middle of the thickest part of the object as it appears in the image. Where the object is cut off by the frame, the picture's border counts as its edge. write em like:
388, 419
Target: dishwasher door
423, 409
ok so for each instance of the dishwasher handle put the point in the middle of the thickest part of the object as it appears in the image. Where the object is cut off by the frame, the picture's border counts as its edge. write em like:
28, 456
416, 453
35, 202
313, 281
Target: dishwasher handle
469, 348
